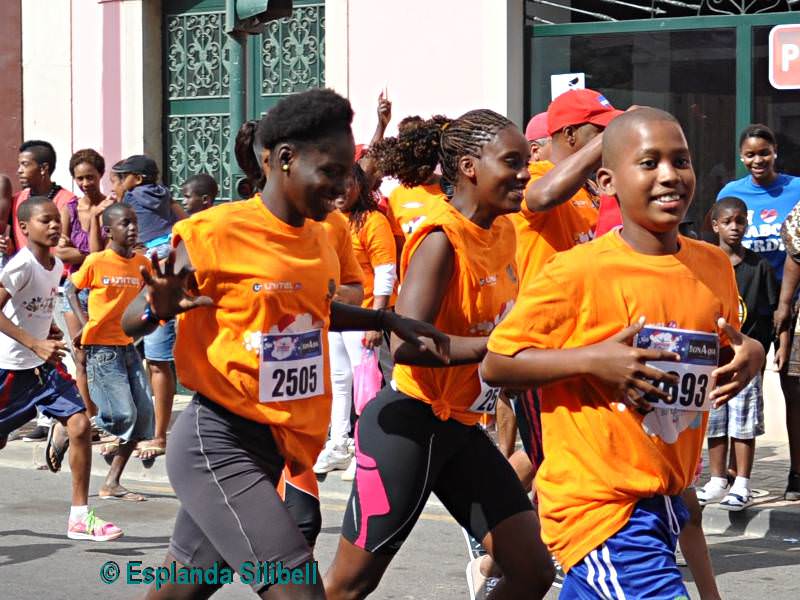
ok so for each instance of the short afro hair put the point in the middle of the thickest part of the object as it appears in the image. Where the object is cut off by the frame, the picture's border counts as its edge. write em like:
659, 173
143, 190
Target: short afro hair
29, 207
90, 157
729, 202
114, 211
305, 117
43, 152
202, 183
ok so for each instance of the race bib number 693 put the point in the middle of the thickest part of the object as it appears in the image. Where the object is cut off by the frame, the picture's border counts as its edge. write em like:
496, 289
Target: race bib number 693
699, 356
292, 366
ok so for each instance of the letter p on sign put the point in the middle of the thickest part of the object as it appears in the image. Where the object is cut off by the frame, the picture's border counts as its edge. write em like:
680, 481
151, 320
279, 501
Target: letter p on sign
784, 57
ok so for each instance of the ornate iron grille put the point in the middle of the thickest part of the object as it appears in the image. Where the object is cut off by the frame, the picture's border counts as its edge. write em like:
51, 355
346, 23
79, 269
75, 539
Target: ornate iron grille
576, 11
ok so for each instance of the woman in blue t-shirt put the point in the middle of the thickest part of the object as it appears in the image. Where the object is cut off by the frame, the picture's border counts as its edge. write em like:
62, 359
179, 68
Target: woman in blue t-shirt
770, 196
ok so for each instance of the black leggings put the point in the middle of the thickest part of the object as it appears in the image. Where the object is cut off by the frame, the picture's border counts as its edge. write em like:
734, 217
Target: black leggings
404, 452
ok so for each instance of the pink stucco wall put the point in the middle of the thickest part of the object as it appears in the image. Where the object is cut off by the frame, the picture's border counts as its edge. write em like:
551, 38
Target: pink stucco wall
435, 57
96, 119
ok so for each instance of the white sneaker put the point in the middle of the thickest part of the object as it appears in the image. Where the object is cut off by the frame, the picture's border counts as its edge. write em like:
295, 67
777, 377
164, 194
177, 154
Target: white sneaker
350, 443
349, 474
710, 493
479, 584
332, 458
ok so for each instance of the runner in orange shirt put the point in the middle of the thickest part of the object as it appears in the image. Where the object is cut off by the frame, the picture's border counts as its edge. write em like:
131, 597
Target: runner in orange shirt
558, 213
623, 427
421, 435
254, 295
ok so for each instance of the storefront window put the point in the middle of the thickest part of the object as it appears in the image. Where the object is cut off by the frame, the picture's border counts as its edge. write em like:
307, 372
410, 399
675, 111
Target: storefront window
778, 109
690, 73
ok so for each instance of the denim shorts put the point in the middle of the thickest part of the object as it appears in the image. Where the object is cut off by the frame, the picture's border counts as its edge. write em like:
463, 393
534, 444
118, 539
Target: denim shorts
119, 388
160, 345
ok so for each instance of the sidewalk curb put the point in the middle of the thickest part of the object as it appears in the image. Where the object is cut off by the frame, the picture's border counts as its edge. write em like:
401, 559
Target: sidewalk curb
772, 518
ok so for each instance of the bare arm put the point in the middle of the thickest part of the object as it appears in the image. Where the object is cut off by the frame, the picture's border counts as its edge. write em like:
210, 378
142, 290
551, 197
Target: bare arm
421, 295
562, 182
350, 293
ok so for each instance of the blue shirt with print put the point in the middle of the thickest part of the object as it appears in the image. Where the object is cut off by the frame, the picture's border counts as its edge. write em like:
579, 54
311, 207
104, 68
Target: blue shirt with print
767, 209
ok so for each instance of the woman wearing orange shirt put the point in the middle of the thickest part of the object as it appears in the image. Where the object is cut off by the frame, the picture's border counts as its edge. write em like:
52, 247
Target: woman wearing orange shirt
374, 247
421, 435
254, 295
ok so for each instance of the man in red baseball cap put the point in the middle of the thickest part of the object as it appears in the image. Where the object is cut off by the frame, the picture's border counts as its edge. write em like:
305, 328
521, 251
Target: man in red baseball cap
560, 208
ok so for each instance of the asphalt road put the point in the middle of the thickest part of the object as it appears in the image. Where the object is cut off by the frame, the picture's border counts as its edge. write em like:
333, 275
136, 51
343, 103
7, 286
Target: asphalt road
38, 561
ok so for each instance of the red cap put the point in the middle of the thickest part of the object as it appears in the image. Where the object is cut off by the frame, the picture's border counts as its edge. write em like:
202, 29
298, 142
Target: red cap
537, 127
576, 107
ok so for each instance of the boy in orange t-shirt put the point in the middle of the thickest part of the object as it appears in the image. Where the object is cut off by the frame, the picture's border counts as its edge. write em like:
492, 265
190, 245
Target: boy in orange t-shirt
117, 382
623, 427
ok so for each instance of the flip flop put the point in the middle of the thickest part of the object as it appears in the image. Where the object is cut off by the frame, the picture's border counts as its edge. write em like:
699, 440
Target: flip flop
156, 452
109, 448
54, 462
124, 496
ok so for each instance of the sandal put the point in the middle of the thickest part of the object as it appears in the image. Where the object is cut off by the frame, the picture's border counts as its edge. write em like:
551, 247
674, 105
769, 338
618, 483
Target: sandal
153, 451
54, 454
123, 495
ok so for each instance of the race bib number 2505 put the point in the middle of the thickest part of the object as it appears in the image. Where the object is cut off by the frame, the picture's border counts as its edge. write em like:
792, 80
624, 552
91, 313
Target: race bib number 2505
292, 366
699, 356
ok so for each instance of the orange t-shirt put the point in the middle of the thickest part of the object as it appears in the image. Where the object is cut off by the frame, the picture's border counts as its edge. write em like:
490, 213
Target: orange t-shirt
374, 245
601, 458
262, 350
481, 292
338, 230
407, 207
113, 282
541, 234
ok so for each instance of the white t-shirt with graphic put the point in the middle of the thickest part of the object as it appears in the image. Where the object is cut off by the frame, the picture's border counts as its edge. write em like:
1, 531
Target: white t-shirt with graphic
34, 292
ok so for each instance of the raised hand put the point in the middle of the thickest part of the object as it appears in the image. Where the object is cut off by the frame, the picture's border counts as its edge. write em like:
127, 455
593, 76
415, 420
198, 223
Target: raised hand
384, 111
748, 358
616, 362
169, 293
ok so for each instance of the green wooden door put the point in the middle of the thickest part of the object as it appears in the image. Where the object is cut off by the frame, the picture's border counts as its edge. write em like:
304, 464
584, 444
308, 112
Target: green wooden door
288, 57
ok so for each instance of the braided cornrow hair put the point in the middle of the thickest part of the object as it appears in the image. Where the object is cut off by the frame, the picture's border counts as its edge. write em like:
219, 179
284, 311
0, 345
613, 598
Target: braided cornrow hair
366, 200
421, 145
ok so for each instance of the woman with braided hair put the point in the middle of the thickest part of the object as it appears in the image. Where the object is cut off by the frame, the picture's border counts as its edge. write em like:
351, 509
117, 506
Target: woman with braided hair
421, 435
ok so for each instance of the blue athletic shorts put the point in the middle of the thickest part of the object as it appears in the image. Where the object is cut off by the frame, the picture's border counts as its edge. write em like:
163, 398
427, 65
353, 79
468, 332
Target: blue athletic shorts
636, 562
48, 388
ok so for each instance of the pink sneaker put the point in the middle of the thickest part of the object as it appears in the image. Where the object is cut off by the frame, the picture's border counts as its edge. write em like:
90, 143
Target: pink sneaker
92, 528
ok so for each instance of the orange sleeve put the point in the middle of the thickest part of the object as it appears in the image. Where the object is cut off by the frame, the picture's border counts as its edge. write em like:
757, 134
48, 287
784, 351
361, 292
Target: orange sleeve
83, 277
397, 231
350, 269
378, 240
545, 314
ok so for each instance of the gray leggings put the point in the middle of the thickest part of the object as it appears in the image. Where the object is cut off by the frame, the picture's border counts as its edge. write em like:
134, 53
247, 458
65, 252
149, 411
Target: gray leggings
224, 469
